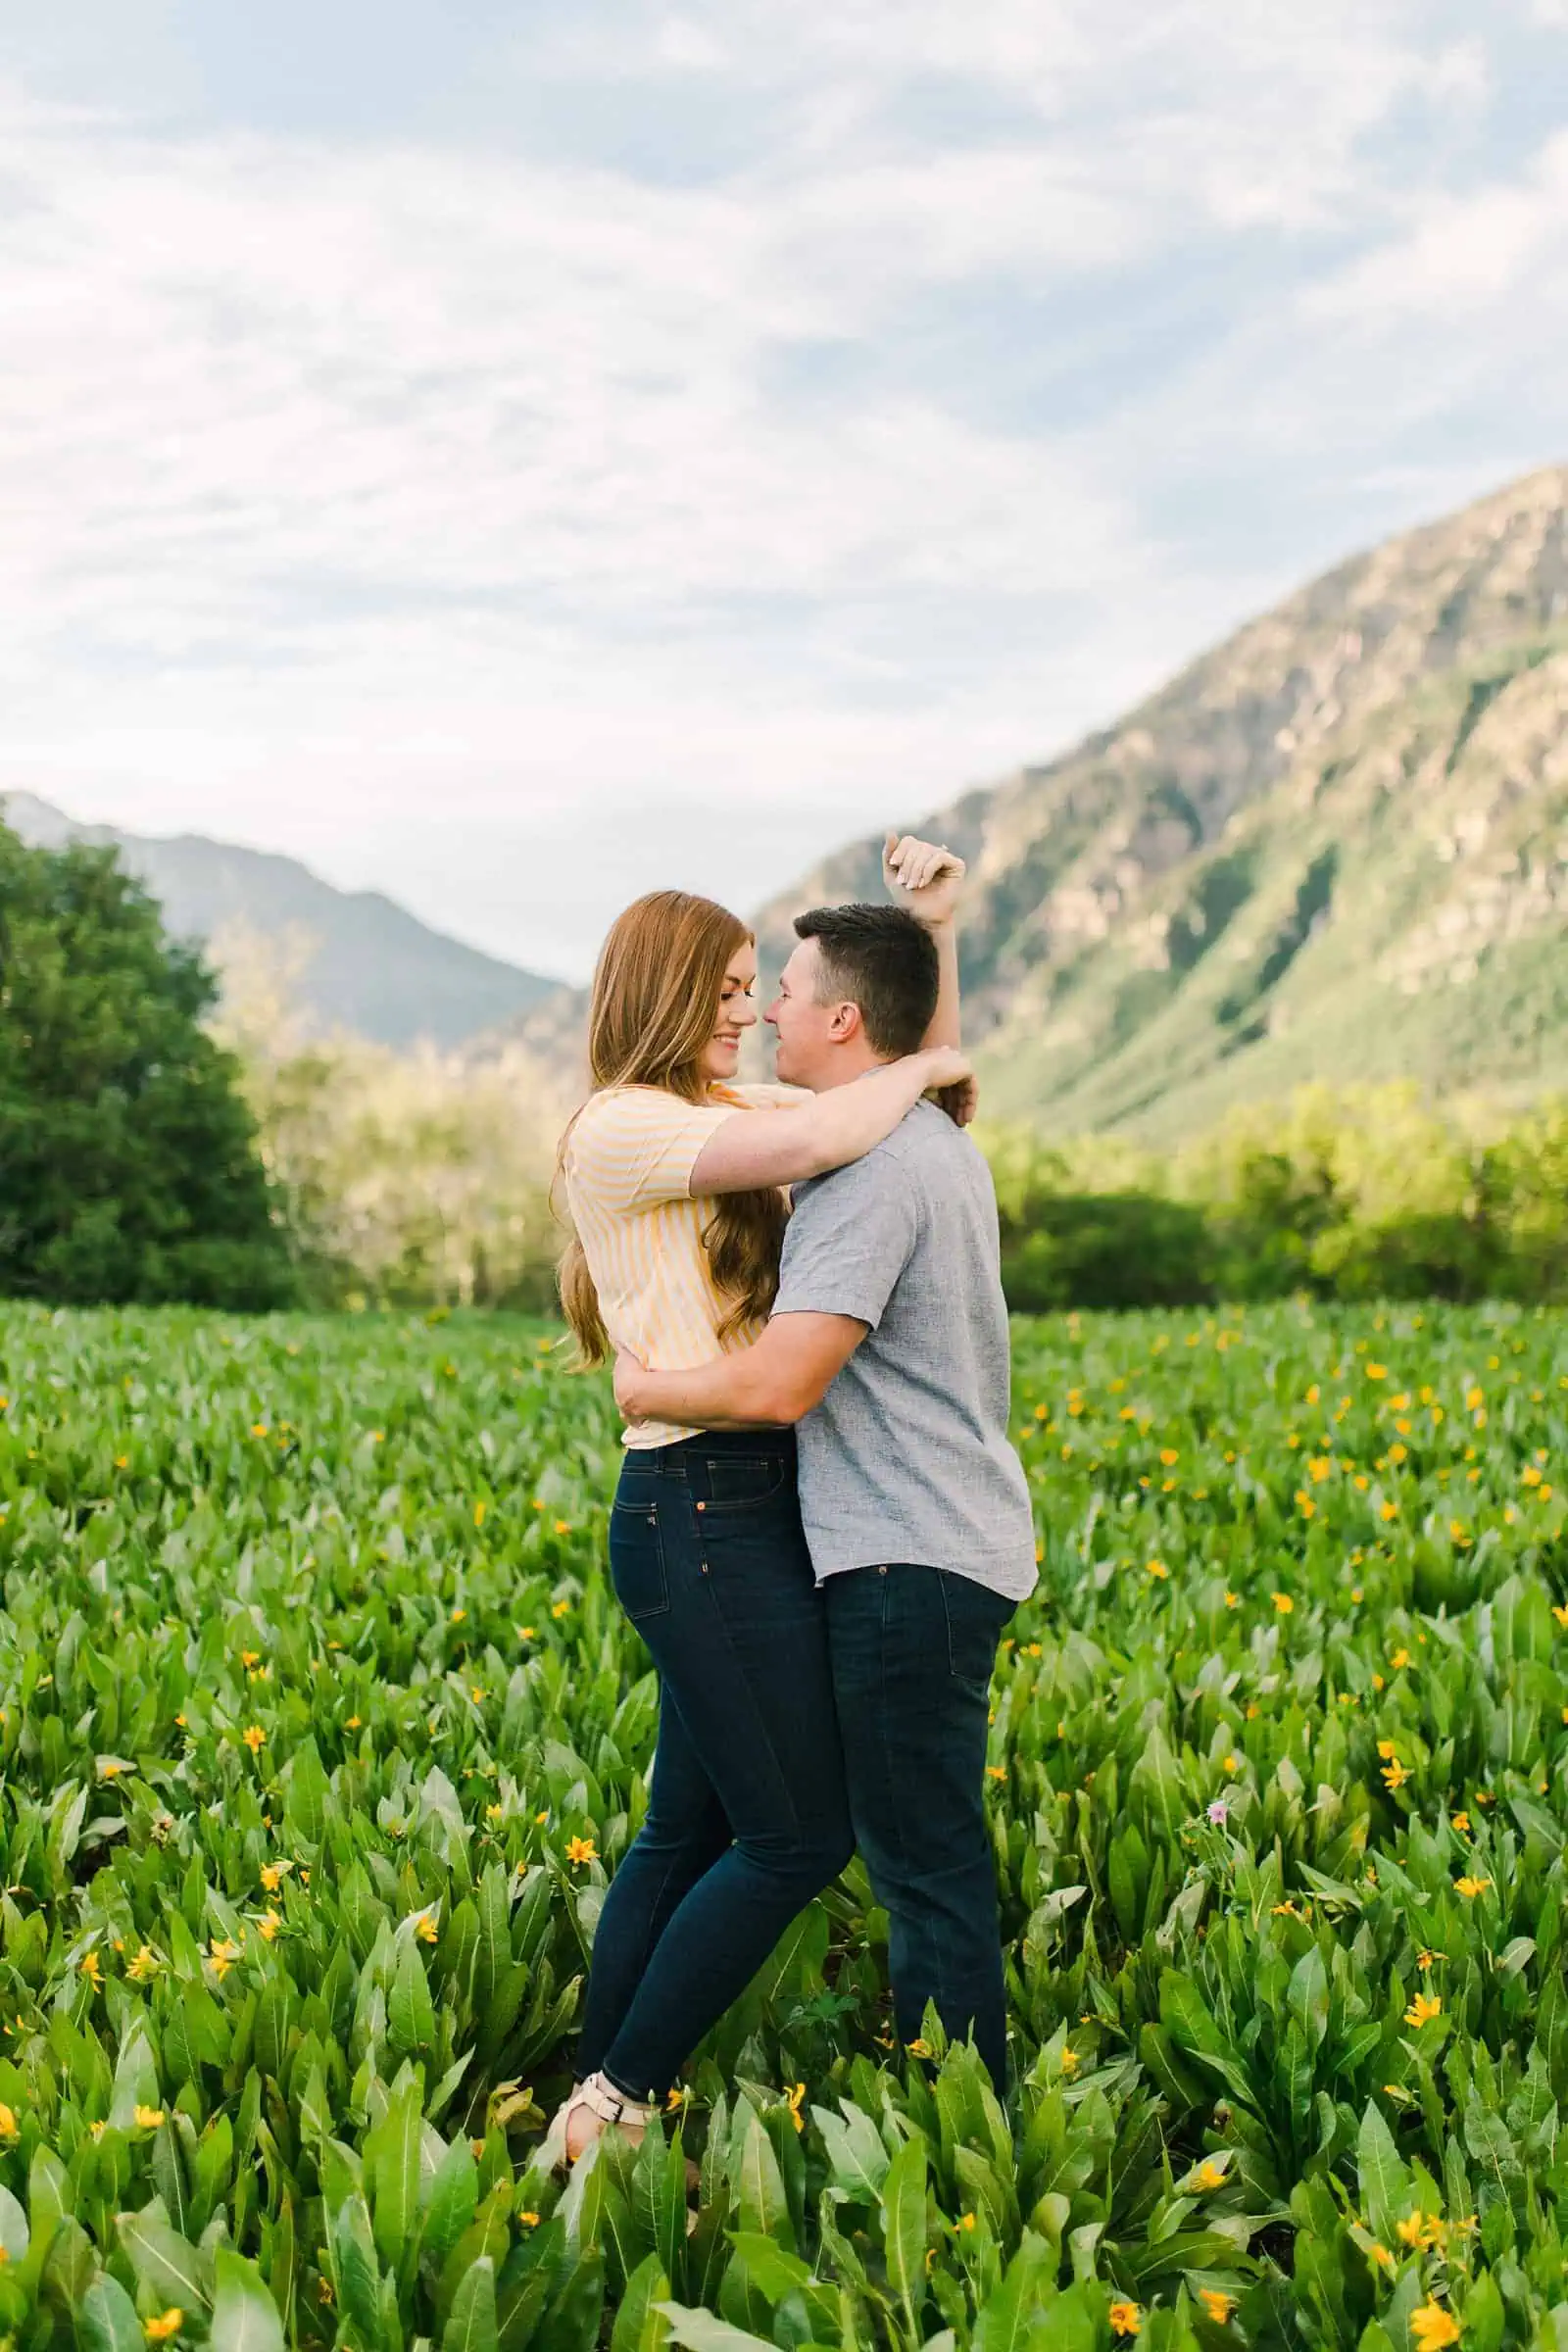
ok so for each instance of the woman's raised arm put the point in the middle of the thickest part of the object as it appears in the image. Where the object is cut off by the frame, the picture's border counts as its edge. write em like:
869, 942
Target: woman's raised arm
782, 1147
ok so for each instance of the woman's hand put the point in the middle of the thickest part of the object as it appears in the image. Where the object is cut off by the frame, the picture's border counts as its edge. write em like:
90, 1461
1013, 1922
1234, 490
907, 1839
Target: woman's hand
631, 1372
922, 876
945, 1065
951, 1082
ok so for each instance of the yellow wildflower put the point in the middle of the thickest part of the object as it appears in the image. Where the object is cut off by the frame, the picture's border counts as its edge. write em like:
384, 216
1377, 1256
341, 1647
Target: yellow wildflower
143, 1965
9, 2126
1126, 2319
795, 2100
582, 1850
166, 2324
424, 1926
1470, 1887
1218, 2306
1210, 2176
148, 2118
253, 1737
561, 1608
91, 1968
1423, 2009
1284, 1603
223, 1954
1395, 1775
1432, 2329
1158, 1568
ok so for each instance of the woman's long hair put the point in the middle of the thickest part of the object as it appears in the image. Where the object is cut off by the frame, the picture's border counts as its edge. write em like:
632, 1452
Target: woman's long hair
655, 1006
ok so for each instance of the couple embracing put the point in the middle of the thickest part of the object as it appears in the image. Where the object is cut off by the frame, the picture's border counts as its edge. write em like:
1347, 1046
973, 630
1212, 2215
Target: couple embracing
821, 1527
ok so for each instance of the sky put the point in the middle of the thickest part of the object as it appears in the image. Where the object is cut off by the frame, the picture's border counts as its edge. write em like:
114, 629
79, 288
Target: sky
518, 456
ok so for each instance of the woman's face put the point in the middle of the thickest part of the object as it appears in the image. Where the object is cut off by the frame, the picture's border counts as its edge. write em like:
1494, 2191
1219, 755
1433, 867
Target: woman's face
736, 1014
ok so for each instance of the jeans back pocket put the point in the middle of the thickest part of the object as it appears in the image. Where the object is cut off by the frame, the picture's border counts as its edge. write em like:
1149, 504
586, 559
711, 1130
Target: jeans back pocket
637, 1568
975, 1618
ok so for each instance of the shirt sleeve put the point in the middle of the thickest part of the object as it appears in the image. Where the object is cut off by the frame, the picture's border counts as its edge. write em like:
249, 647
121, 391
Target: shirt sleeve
636, 1149
773, 1097
849, 1238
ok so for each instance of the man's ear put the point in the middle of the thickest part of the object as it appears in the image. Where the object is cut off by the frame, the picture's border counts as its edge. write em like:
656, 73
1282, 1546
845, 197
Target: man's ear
845, 1023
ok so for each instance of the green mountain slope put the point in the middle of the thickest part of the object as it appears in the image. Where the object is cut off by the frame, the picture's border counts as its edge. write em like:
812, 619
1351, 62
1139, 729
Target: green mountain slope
368, 965
1336, 847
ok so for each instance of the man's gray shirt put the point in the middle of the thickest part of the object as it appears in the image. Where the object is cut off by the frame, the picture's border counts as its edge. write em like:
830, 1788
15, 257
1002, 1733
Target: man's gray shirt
907, 1456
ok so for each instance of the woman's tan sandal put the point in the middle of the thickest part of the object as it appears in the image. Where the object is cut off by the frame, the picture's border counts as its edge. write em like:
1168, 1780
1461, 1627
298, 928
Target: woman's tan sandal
551, 2153
612, 2108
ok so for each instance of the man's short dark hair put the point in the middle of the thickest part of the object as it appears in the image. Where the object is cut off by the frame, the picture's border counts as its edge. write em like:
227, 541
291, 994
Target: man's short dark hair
880, 958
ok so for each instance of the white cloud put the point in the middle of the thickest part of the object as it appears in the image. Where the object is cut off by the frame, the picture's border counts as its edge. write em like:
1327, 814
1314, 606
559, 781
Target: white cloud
345, 483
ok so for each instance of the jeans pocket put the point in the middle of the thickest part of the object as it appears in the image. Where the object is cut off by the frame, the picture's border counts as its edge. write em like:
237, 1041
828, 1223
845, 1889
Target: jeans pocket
975, 1618
637, 1568
735, 1481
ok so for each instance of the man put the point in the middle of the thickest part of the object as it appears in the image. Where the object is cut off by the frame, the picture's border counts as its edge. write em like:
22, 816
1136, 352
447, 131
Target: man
889, 1346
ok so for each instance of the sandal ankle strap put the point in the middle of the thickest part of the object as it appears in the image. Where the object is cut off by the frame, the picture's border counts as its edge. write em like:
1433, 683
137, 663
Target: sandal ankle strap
612, 2106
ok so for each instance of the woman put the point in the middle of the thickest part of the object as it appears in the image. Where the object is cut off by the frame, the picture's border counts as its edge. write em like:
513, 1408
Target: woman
673, 1177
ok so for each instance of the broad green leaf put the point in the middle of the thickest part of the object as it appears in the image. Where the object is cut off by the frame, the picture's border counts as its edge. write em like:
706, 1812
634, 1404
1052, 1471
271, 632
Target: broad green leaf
772, 2270
105, 2319
640, 2325
392, 2175
471, 2326
1385, 2181
244, 2316
704, 2333
762, 2203
169, 2267
904, 2225
453, 2203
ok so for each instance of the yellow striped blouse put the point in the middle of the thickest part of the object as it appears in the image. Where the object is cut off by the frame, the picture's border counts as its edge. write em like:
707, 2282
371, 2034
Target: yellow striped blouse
629, 1167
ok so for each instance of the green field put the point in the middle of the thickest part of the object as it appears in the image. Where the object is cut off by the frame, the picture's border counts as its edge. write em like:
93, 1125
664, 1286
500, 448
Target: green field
320, 1731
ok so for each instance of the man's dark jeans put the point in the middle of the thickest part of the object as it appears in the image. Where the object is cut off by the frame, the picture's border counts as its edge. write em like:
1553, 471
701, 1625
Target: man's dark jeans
912, 1651
747, 1817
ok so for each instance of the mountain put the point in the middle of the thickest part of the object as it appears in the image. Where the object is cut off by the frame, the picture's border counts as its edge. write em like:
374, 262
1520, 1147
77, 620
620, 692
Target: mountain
1335, 848
368, 965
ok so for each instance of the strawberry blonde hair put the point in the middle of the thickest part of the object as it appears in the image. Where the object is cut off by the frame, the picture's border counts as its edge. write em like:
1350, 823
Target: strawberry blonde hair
655, 1003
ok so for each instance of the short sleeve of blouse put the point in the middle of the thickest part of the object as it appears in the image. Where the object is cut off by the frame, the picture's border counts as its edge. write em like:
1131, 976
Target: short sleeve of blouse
772, 1097
635, 1146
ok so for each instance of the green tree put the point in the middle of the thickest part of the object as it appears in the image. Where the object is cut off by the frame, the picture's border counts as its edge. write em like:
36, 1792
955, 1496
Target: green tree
127, 1160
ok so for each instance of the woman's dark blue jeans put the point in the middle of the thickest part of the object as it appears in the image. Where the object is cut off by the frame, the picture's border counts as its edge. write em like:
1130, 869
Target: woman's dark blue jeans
747, 1817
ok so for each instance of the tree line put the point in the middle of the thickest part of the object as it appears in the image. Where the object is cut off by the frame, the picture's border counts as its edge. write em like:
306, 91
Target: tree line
159, 1144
